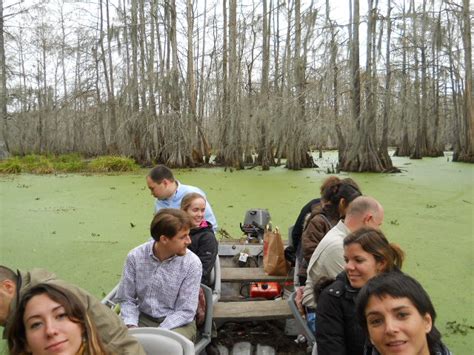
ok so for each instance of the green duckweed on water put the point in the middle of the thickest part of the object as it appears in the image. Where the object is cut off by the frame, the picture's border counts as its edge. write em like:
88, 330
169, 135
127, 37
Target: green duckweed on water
82, 226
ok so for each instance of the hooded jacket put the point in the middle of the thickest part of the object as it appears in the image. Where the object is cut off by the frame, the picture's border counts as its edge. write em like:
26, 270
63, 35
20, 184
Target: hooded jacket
337, 329
204, 245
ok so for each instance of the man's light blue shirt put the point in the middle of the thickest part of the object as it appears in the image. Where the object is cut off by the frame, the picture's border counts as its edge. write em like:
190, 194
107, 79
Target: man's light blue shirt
175, 202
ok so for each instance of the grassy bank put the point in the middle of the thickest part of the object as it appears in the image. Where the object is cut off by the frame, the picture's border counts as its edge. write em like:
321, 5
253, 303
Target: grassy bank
66, 163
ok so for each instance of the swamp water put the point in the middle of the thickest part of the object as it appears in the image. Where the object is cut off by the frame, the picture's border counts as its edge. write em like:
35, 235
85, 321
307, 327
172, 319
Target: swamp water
82, 226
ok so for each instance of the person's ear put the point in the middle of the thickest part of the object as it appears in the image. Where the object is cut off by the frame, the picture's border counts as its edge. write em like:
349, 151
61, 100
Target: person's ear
381, 266
342, 205
428, 322
8, 286
367, 218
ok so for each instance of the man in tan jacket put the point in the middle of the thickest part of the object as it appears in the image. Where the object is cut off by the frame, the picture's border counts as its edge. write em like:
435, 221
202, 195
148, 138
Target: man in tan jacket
112, 331
328, 258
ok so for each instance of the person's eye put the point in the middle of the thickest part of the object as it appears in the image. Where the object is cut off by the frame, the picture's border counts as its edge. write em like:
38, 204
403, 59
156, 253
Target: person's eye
375, 321
61, 316
403, 315
35, 325
346, 260
359, 260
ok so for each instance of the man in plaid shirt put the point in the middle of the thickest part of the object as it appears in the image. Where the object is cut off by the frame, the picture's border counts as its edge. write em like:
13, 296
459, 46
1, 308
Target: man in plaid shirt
161, 278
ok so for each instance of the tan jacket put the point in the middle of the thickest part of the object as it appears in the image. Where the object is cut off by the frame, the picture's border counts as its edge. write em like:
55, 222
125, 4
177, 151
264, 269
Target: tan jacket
327, 261
111, 329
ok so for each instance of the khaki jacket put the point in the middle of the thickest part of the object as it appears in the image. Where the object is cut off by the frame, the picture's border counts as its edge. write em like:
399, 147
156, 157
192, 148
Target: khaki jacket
327, 261
111, 329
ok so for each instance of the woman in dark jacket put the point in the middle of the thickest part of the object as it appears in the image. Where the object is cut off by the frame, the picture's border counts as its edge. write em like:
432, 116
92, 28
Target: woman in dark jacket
294, 251
203, 241
367, 253
335, 199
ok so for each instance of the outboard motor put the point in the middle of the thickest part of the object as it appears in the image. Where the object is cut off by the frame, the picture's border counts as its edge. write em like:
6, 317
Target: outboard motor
255, 221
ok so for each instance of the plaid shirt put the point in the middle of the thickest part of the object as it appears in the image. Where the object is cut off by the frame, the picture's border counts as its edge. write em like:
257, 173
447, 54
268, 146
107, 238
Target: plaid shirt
159, 289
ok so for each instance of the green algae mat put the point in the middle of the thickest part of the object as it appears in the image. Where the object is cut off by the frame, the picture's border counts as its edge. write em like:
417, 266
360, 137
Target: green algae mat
82, 226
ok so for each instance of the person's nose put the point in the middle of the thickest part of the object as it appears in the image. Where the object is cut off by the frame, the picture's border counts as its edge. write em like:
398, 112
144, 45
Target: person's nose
51, 328
188, 240
349, 265
391, 325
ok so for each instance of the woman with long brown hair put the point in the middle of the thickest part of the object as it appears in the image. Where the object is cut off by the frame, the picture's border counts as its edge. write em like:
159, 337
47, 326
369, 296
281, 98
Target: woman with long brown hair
51, 320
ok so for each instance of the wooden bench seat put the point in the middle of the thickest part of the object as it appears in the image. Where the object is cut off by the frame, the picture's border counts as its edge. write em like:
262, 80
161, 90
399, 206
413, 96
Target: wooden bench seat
249, 274
252, 310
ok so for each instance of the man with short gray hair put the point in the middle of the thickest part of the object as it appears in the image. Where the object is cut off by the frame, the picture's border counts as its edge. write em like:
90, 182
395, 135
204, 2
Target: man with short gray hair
328, 258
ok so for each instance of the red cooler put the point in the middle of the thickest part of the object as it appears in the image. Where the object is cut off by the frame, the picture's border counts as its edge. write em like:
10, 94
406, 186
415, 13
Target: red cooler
268, 290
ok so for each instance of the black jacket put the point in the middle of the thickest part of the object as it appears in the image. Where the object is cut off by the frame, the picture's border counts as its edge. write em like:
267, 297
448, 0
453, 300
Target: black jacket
294, 251
337, 329
299, 224
204, 245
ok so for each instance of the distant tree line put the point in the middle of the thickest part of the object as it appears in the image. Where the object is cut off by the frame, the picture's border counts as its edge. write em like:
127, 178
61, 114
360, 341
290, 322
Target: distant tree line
250, 82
